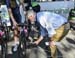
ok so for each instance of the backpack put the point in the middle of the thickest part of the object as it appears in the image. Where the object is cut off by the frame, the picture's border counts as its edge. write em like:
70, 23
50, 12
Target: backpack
35, 6
72, 14
72, 18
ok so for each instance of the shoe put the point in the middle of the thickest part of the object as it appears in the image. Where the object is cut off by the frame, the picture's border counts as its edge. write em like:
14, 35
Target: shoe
14, 48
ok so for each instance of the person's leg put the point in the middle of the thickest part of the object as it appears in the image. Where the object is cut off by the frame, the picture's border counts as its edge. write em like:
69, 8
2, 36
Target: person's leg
56, 37
17, 28
16, 31
16, 40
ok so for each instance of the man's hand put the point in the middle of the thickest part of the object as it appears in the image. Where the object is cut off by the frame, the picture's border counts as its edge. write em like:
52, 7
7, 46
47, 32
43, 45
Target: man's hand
15, 23
52, 43
36, 42
39, 40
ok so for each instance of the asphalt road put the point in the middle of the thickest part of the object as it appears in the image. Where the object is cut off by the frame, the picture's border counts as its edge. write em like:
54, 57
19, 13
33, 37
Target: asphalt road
66, 47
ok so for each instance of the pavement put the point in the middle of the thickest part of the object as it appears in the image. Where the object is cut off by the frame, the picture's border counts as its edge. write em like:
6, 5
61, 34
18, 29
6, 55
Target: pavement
66, 48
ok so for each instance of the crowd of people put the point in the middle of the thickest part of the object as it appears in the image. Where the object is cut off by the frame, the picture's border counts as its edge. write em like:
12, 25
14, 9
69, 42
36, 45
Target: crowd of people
44, 27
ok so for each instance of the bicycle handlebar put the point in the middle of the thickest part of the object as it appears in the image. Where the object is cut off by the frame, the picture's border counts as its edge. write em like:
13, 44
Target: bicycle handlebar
31, 45
22, 24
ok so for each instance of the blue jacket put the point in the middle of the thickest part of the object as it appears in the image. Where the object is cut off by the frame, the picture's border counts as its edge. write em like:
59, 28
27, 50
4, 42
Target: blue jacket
50, 22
